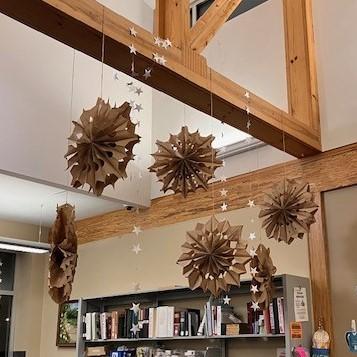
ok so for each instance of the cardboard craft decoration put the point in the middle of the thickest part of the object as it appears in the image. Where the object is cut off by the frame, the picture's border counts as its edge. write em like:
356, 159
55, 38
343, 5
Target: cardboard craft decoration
103, 145
264, 278
288, 211
63, 257
214, 256
186, 162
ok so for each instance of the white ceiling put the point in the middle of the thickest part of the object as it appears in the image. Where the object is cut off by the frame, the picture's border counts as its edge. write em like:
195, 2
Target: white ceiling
35, 203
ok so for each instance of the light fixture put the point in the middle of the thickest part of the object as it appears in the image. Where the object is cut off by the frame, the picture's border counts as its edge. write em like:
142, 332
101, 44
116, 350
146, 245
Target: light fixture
24, 246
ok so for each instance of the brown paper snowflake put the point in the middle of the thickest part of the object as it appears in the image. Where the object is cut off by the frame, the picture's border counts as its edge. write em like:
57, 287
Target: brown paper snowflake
288, 211
262, 269
103, 145
214, 257
63, 257
186, 162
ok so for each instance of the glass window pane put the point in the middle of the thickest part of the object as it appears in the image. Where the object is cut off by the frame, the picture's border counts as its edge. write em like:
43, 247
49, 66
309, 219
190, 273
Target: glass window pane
7, 269
5, 319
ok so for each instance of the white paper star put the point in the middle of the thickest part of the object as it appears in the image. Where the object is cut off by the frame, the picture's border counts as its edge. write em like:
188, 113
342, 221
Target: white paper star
132, 104
252, 236
223, 192
254, 289
116, 76
136, 249
251, 203
247, 110
136, 286
133, 32
224, 206
223, 179
132, 49
226, 300
168, 43
163, 60
157, 41
255, 306
147, 73
135, 329
253, 271
253, 252
138, 90
135, 308
137, 230
249, 124
156, 57
138, 107
247, 94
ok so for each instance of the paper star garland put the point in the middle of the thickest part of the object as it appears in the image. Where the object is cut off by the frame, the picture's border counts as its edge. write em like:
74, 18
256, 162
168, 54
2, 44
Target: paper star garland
224, 207
135, 329
132, 49
137, 230
133, 32
223, 192
255, 306
147, 73
251, 203
226, 300
136, 249
252, 236
135, 308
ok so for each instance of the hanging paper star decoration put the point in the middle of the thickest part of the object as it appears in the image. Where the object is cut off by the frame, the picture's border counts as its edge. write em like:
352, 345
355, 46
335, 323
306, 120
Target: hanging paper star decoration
288, 211
262, 283
103, 145
214, 256
186, 162
63, 257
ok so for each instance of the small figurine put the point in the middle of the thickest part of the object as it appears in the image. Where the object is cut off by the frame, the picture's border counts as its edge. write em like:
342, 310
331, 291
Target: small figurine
320, 342
351, 338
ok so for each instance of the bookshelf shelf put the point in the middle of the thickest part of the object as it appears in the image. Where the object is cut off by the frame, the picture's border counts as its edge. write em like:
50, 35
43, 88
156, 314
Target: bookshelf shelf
249, 336
184, 298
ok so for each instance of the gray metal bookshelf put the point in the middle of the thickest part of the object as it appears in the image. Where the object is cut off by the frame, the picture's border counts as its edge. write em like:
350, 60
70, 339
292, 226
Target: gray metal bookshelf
228, 345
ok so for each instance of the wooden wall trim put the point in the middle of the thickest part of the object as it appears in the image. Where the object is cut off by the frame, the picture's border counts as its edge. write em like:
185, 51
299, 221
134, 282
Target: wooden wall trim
320, 270
327, 171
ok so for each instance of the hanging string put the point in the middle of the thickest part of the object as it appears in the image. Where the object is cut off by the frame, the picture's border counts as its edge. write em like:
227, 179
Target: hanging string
211, 113
71, 113
103, 50
40, 225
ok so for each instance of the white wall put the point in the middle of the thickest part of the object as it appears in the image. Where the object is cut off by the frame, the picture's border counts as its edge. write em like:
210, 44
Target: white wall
35, 93
335, 36
250, 50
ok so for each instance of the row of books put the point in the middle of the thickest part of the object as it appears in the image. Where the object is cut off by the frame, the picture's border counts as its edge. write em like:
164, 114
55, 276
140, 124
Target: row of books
166, 321
162, 321
123, 351
267, 322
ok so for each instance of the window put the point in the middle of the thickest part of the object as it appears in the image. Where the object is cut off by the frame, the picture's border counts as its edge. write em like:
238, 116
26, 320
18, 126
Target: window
7, 270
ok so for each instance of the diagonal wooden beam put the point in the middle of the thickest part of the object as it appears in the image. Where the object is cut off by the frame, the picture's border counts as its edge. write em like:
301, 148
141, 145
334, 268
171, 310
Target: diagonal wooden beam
211, 21
186, 76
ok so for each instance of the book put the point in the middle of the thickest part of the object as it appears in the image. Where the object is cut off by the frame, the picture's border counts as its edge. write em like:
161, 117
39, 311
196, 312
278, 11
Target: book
170, 316
152, 322
276, 316
88, 326
161, 321
115, 325
271, 318
95, 324
177, 323
280, 303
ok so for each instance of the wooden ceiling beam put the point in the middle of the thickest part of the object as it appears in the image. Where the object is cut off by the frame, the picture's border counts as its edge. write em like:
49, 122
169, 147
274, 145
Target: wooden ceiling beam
210, 22
330, 170
186, 76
